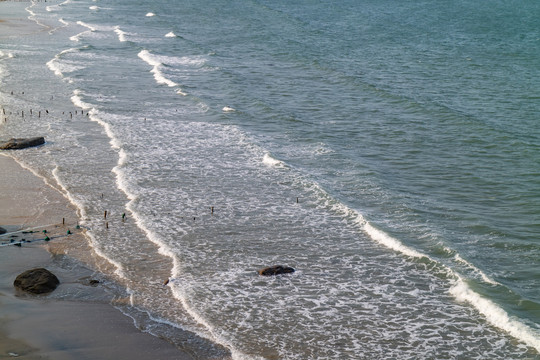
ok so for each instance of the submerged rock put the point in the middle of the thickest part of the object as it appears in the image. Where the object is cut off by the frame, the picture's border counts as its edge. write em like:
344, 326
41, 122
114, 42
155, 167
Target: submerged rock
276, 270
15, 144
36, 281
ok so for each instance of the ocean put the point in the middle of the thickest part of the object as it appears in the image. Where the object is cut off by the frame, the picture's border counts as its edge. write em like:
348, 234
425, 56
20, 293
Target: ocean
389, 151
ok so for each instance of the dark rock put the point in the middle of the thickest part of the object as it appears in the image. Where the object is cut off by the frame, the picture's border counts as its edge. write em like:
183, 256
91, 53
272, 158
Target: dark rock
2, 231
14, 144
276, 270
36, 281
93, 282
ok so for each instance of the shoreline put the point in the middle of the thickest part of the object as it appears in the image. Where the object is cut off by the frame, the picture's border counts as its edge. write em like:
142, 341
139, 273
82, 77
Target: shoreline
77, 320
41, 204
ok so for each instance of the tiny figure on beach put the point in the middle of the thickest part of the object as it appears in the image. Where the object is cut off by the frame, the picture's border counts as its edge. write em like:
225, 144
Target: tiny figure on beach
123, 216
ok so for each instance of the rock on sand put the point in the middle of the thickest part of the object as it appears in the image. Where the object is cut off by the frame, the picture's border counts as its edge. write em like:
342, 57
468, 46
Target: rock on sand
15, 144
276, 270
37, 281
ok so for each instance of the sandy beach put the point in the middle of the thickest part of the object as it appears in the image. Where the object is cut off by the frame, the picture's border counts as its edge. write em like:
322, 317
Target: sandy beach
76, 321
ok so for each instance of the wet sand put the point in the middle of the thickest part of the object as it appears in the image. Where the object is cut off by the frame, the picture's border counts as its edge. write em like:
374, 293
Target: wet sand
12, 24
77, 320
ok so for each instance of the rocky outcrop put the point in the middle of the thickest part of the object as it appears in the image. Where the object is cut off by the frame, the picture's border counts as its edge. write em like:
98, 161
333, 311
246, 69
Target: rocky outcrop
276, 270
2, 230
15, 144
36, 281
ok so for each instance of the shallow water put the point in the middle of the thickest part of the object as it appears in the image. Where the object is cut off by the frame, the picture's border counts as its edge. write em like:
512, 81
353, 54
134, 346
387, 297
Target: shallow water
388, 152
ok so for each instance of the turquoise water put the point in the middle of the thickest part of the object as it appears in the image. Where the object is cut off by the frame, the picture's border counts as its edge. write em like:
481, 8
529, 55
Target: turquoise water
389, 151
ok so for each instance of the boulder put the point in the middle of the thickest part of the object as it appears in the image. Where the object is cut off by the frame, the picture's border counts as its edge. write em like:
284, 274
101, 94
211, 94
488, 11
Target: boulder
2, 231
276, 270
36, 281
14, 144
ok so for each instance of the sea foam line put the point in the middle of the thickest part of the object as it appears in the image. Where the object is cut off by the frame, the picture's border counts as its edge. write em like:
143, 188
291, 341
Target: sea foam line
76, 99
33, 15
56, 68
165, 250
484, 277
121, 34
81, 212
83, 216
496, 315
493, 313
153, 61
78, 36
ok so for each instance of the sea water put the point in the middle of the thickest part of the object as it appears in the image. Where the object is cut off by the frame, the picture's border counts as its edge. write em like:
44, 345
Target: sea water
388, 151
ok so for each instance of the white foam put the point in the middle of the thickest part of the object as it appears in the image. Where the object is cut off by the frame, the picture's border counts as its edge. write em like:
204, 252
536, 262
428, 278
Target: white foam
170, 35
115, 142
268, 160
33, 15
54, 67
228, 109
88, 26
216, 336
95, 8
390, 242
77, 101
121, 34
476, 270
93, 113
154, 61
496, 315
60, 68
6, 55
150, 14
123, 184
77, 37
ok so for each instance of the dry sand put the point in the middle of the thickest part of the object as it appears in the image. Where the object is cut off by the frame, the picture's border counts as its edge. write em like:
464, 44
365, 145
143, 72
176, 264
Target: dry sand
76, 321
